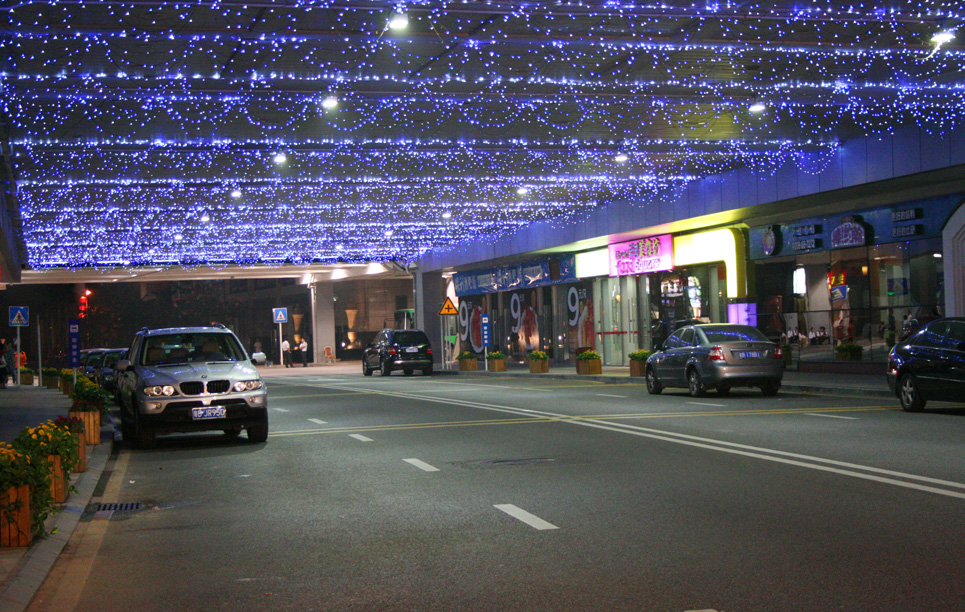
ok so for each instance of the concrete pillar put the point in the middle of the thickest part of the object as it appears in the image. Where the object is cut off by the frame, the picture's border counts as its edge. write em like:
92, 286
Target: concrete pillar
323, 319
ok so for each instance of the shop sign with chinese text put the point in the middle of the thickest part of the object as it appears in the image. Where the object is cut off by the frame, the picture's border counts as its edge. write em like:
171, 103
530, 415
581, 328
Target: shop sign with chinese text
652, 254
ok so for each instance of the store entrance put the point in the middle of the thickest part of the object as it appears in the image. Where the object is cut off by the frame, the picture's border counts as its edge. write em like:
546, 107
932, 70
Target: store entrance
685, 296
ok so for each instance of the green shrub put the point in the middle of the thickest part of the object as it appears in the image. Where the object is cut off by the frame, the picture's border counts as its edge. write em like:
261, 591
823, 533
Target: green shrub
495, 355
538, 356
640, 355
468, 355
588, 355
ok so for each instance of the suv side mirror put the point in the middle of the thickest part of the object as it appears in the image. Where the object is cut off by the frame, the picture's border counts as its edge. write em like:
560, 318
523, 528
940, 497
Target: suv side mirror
123, 365
259, 358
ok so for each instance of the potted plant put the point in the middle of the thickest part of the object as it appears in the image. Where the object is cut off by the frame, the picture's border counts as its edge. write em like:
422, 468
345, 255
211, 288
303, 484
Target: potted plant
589, 362
787, 354
539, 362
51, 377
76, 427
89, 403
468, 361
67, 381
638, 362
849, 351
18, 474
58, 448
26, 376
497, 361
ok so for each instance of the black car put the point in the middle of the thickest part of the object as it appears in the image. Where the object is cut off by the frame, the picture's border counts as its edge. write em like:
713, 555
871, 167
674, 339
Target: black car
106, 376
398, 349
929, 365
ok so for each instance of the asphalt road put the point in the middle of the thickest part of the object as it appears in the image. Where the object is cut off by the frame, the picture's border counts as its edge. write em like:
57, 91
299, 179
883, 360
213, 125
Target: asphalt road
434, 493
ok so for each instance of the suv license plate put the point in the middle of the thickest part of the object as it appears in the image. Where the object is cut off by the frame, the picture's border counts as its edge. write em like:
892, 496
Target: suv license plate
209, 412
411, 349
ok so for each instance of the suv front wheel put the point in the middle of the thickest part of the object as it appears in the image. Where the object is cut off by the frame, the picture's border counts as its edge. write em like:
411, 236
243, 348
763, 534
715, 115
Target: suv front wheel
258, 432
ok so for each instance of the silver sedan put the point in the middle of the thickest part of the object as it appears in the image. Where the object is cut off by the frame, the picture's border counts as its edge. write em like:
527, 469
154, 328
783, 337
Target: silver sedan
716, 356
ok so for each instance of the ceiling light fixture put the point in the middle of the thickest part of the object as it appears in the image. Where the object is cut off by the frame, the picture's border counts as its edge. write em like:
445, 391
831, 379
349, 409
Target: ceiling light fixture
330, 102
398, 21
757, 107
621, 158
280, 158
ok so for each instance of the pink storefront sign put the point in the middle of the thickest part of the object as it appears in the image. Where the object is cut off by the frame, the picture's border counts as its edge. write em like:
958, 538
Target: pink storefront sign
651, 254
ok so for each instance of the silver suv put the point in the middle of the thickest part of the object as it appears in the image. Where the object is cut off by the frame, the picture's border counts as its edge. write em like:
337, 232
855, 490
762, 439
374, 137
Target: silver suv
190, 379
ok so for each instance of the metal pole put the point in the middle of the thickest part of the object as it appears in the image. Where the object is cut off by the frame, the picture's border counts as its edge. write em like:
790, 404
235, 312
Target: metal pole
16, 358
40, 359
281, 353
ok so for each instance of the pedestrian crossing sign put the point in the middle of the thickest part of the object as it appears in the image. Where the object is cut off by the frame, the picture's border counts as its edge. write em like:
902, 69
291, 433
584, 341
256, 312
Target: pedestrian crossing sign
448, 308
279, 315
19, 316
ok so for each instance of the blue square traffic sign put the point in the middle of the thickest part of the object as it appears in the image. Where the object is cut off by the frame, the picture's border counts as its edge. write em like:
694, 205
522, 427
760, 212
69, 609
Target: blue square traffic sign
19, 316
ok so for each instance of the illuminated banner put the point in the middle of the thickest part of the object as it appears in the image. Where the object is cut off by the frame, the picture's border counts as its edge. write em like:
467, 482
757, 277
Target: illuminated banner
652, 254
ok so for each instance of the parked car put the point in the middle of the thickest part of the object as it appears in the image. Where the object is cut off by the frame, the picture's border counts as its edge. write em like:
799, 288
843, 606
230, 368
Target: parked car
190, 379
718, 356
106, 375
90, 361
398, 349
930, 364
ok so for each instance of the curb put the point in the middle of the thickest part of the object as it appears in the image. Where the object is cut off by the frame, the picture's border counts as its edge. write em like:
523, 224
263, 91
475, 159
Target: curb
22, 583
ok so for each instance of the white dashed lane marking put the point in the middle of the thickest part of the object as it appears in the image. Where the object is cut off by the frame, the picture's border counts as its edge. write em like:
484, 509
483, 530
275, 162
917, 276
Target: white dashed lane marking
361, 438
318, 421
831, 416
521, 515
422, 465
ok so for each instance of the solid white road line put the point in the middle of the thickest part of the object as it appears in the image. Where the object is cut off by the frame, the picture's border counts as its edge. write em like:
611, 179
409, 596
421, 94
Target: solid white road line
830, 416
805, 461
318, 421
422, 465
361, 438
706, 404
607, 395
521, 515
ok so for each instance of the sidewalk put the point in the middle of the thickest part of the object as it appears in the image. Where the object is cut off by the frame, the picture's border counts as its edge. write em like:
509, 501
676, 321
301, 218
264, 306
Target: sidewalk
23, 570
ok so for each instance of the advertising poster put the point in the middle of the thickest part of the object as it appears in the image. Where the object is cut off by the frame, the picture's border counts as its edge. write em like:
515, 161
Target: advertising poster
471, 311
524, 324
579, 307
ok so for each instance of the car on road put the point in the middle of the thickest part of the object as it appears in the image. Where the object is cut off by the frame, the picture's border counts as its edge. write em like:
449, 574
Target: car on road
716, 356
190, 379
929, 365
398, 349
106, 375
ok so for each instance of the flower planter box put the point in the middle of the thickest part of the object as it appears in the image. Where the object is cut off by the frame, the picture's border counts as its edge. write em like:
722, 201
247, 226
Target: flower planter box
67, 387
58, 480
589, 366
847, 357
82, 454
468, 365
15, 528
92, 425
539, 366
638, 367
497, 365
51, 382
26, 379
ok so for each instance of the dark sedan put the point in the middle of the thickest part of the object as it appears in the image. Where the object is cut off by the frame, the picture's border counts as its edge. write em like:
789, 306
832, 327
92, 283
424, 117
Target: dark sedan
398, 349
929, 365
716, 356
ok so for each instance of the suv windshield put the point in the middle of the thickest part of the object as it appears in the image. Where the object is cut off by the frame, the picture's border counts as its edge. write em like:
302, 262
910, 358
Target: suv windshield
181, 348
410, 337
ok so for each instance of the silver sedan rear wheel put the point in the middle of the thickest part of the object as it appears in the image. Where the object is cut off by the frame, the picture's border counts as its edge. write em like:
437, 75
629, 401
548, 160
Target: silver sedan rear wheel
694, 384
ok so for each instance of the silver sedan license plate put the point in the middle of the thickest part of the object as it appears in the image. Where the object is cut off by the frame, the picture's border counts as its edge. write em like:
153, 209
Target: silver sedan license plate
750, 355
209, 412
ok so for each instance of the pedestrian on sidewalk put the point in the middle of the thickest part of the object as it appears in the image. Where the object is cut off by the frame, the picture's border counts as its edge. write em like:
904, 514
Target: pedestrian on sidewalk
303, 349
286, 352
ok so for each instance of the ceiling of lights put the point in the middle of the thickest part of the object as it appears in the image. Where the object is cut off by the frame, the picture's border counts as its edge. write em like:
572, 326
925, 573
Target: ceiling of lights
227, 133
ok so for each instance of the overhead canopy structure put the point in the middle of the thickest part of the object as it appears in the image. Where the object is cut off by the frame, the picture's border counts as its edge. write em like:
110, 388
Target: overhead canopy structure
222, 133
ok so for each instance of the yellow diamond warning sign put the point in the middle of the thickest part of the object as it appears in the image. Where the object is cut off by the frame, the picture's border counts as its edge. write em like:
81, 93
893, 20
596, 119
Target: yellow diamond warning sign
449, 308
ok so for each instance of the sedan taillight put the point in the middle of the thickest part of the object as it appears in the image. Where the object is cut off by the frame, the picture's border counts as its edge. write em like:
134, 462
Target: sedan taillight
778, 353
716, 354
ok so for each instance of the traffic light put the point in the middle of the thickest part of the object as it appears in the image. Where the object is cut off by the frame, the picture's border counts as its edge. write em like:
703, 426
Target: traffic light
82, 306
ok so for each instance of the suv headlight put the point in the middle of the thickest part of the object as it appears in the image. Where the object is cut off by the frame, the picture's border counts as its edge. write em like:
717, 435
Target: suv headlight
159, 390
247, 385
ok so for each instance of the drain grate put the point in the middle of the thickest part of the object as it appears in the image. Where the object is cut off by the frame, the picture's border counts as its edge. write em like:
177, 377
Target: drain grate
115, 507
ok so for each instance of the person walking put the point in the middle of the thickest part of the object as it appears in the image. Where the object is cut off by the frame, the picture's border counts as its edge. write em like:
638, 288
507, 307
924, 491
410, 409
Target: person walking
303, 349
286, 352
